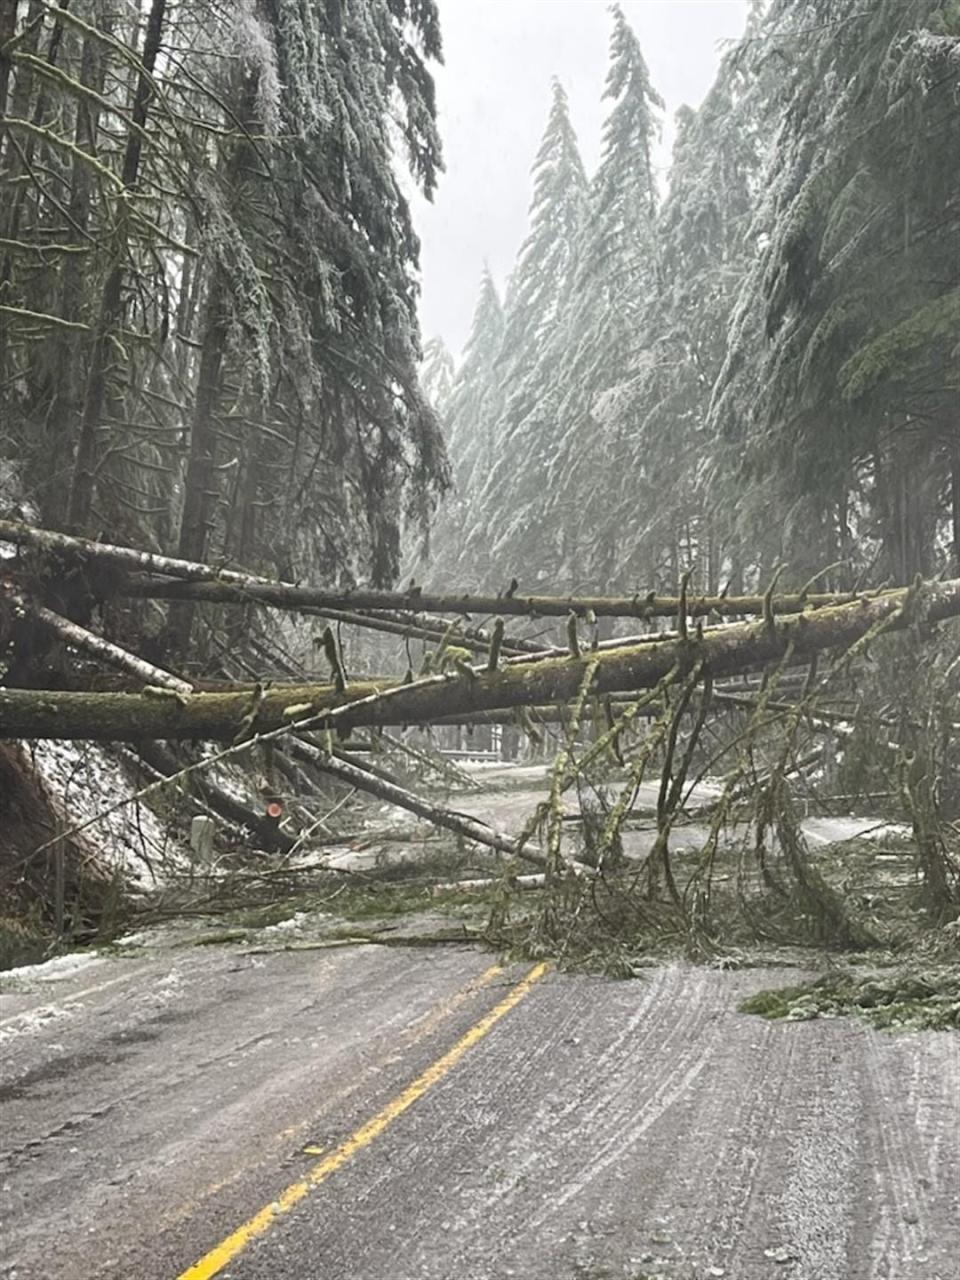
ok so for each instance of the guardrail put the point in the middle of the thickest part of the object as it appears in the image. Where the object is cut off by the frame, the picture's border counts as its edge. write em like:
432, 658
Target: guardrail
477, 757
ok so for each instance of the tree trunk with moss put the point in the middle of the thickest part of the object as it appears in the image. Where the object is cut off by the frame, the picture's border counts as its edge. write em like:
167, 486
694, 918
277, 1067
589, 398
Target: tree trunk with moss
745, 647
162, 577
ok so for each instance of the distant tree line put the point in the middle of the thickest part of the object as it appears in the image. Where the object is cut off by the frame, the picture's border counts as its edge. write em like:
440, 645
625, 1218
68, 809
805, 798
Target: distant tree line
762, 366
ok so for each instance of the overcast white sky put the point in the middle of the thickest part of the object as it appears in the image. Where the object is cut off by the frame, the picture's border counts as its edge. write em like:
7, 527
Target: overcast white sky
493, 97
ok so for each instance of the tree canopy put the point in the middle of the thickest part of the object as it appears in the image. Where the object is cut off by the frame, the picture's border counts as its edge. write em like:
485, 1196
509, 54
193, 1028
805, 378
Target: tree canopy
753, 363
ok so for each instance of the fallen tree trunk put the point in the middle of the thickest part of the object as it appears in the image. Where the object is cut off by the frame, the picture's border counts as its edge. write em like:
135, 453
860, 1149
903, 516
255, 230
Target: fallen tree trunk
270, 836
232, 716
95, 646
414, 628
460, 823
191, 580
159, 712
224, 590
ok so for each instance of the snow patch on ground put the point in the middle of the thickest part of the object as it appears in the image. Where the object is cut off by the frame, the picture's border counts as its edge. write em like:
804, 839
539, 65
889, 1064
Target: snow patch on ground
24, 978
54, 970
293, 925
142, 938
32, 1020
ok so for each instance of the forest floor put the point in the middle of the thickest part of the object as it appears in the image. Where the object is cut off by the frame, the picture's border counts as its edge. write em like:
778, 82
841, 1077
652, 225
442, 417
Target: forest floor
420, 1113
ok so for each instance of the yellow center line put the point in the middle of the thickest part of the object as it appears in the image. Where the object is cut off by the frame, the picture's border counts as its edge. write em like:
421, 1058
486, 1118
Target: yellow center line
212, 1263
411, 1036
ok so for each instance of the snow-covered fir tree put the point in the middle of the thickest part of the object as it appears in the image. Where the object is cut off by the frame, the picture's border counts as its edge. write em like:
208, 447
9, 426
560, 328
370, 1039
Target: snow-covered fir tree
759, 371
469, 414
437, 373
599, 345
538, 295
845, 409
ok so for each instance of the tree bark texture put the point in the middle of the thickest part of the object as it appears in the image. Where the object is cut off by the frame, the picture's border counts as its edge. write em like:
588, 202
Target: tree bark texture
722, 652
202, 582
111, 304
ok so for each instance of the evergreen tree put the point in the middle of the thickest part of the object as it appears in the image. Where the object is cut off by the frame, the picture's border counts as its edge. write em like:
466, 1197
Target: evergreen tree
437, 373
598, 348
474, 399
470, 412
208, 329
540, 283
707, 236
584, 276
854, 414
342, 368
537, 296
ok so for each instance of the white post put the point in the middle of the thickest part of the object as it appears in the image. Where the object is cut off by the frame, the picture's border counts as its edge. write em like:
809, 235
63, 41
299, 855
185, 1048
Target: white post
202, 832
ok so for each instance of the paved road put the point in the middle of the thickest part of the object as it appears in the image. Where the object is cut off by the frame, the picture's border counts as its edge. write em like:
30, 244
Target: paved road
416, 1115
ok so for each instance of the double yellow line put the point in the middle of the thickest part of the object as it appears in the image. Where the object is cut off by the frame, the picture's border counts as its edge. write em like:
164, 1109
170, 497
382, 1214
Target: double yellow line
212, 1263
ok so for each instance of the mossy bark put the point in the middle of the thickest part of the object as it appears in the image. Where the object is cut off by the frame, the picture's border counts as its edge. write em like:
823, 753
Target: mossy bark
166, 578
224, 716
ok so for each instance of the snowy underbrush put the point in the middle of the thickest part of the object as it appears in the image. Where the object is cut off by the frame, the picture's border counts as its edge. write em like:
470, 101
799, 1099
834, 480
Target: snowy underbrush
72, 855
83, 782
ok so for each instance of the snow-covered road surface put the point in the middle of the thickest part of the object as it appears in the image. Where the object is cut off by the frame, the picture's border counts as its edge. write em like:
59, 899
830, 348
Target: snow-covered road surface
598, 1129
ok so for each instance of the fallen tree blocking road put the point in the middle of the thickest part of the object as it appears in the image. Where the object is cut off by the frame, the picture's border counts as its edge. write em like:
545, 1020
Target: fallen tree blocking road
166, 578
287, 596
460, 823
162, 713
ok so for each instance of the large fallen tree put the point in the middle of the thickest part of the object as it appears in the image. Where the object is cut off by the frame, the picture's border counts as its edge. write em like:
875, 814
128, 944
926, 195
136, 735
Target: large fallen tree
146, 574
745, 647
792, 674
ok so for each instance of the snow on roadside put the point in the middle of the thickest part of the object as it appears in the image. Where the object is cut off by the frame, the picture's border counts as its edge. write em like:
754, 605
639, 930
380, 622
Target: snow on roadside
32, 1020
56, 969
166, 990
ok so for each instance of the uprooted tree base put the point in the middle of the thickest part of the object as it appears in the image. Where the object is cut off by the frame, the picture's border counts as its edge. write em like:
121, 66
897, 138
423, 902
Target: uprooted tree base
62, 890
